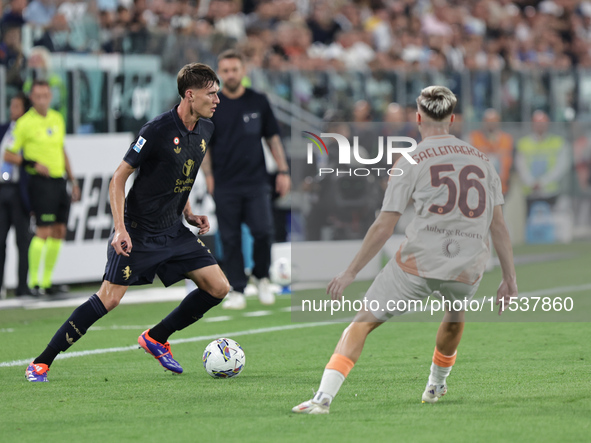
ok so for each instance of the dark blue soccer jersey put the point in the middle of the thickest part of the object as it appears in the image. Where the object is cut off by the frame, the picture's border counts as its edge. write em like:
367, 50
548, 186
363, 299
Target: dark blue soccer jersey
167, 157
236, 150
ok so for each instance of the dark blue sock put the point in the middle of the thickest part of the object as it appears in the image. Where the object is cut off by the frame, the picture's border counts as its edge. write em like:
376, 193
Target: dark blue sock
191, 309
75, 327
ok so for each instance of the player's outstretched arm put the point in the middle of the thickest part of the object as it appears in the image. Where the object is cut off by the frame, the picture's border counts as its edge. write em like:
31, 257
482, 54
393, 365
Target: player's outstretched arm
121, 240
502, 244
377, 235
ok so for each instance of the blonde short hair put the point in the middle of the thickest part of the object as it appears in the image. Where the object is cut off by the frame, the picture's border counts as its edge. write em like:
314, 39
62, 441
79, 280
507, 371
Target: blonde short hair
43, 53
437, 102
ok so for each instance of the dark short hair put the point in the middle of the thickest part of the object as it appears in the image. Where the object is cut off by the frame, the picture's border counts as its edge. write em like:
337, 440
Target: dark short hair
39, 83
7, 26
20, 95
231, 53
195, 75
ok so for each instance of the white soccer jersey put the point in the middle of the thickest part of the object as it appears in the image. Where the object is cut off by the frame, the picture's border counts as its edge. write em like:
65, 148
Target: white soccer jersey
454, 189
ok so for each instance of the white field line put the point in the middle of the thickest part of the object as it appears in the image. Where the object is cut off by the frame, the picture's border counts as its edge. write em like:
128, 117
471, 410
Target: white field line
115, 327
554, 291
8, 364
256, 313
217, 319
538, 293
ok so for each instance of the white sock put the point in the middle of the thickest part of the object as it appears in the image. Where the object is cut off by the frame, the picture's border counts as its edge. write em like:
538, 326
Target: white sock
438, 374
329, 386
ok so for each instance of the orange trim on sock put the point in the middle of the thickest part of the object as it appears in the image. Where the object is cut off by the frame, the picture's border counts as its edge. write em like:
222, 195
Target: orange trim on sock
340, 363
444, 361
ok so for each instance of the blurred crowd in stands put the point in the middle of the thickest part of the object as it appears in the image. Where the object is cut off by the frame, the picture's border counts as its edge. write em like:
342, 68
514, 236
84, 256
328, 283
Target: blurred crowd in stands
310, 34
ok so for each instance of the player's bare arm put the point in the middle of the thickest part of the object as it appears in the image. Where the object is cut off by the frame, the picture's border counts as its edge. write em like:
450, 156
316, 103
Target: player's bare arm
121, 240
283, 182
17, 159
377, 235
11, 157
502, 244
72, 179
206, 168
199, 221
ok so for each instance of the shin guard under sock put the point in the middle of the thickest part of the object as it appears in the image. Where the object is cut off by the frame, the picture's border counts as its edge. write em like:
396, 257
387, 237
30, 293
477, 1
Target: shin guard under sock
75, 327
191, 309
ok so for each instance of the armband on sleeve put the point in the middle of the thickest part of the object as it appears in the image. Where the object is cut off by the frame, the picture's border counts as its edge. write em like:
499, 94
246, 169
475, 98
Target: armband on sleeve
27, 163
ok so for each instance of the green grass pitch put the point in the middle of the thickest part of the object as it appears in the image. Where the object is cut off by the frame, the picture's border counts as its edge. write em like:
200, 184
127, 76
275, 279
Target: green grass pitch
527, 381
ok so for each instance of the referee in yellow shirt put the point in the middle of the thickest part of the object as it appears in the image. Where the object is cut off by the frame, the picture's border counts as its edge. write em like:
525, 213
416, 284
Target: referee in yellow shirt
39, 146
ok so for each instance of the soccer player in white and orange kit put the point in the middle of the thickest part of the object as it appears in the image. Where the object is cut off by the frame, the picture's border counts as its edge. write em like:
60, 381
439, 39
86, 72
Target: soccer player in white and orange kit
457, 198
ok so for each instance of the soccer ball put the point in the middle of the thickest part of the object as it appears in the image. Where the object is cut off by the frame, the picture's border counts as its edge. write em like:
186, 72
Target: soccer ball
223, 358
280, 272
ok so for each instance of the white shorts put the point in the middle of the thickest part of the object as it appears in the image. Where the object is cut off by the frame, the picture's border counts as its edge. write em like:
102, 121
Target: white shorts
394, 288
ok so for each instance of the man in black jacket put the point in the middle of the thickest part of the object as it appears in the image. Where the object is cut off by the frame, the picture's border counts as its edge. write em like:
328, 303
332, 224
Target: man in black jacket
13, 210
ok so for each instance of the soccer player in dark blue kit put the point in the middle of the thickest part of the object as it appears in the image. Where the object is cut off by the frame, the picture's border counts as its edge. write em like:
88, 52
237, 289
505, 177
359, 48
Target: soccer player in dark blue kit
240, 183
149, 237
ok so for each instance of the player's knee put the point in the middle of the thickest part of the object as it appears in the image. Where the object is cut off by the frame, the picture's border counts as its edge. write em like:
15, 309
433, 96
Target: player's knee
110, 296
220, 290
58, 231
43, 232
363, 327
454, 327
111, 302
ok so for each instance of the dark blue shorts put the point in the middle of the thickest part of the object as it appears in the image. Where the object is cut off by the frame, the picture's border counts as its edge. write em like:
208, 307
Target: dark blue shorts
170, 256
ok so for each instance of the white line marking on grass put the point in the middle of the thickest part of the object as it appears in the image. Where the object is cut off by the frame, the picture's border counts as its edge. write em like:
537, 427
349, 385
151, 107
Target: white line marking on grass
7, 330
216, 319
9, 364
554, 291
115, 327
291, 309
136, 296
256, 313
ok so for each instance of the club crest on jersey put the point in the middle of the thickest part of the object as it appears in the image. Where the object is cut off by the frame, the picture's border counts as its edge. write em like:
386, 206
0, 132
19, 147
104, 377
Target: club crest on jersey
188, 167
141, 141
203, 146
450, 248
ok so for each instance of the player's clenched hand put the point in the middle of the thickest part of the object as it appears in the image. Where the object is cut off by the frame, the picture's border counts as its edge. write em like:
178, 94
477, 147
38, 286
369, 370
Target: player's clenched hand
122, 243
199, 221
338, 284
507, 289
